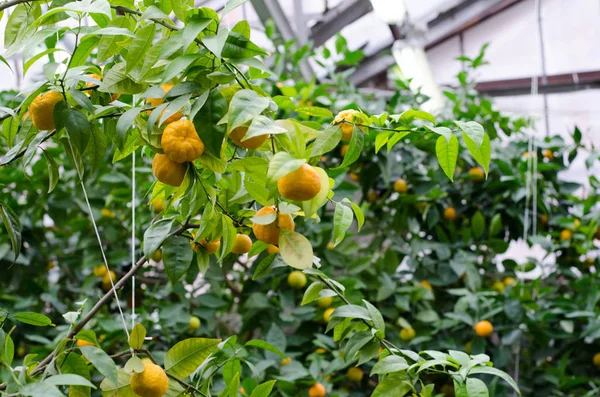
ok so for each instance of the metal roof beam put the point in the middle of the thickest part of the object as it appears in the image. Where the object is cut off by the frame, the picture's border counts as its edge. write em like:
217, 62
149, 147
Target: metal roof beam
337, 18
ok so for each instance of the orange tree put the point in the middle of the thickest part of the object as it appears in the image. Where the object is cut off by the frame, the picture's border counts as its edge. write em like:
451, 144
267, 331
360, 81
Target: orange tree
231, 179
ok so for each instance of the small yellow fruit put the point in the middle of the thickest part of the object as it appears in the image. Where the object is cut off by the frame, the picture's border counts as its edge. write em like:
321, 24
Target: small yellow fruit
181, 142
81, 343
317, 390
345, 120
548, 154
544, 219
296, 279
157, 255
577, 223
272, 249
372, 196
238, 133
242, 244
106, 280
107, 213
426, 284
498, 286
320, 350
285, 361
209, 246
566, 234
450, 214
194, 323
158, 101
158, 204
484, 328
330, 245
167, 171
354, 176
407, 334
153, 382
41, 110
355, 375
400, 186
324, 303
270, 233
100, 271
300, 185
327, 314
509, 281
596, 359
476, 174
344, 150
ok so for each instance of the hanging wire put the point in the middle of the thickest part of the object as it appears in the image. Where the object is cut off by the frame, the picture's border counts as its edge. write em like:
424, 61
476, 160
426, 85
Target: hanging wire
133, 237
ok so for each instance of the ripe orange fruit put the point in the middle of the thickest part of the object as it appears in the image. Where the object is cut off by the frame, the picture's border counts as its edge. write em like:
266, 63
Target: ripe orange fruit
427, 285
300, 185
210, 246
596, 359
350, 116
450, 214
355, 374
400, 186
100, 270
566, 234
272, 249
181, 143
41, 110
238, 133
81, 343
153, 382
159, 101
407, 334
317, 390
113, 98
242, 244
106, 280
344, 150
270, 233
327, 314
509, 281
548, 154
296, 279
167, 171
484, 328
476, 174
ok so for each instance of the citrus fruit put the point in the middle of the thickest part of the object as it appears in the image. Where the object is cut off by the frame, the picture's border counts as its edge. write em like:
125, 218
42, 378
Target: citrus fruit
272, 249
320, 350
210, 246
327, 314
354, 176
270, 233
476, 174
548, 154
407, 334
484, 328
509, 281
238, 133
498, 286
544, 219
596, 359
317, 390
242, 244
576, 223
181, 143
194, 323
41, 110
285, 361
296, 279
355, 374
372, 196
427, 285
566, 234
344, 119
301, 185
158, 204
450, 214
344, 150
81, 343
99, 270
106, 280
324, 303
167, 171
158, 101
400, 186
107, 213
330, 245
152, 382
113, 98
156, 255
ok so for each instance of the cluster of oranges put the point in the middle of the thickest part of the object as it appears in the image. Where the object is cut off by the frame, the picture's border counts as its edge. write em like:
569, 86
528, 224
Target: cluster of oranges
105, 277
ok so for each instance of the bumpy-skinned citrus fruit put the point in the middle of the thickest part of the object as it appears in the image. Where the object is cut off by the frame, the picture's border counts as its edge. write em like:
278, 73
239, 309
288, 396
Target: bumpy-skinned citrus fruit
327, 314
349, 117
237, 134
285, 361
407, 334
344, 150
272, 249
153, 382
566, 234
194, 323
158, 101
81, 343
181, 143
476, 174
167, 171
99, 270
450, 214
270, 233
355, 374
596, 359
106, 280
324, 303
400, 186
242, 244
317, 390
41, 110
296, 279
484, 328
301, 185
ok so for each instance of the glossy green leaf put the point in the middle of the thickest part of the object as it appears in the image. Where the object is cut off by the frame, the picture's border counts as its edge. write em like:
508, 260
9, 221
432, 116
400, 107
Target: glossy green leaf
186, 356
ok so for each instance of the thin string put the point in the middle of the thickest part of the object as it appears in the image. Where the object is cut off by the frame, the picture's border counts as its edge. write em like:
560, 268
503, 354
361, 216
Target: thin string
87, 201
133, 237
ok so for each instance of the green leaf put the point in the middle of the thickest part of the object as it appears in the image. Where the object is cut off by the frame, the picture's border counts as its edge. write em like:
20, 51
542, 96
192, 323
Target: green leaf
110, 45
9, 350
359, 215
495, 225
96, 148
156, 234
263, 125
295, 249
473, 130
375, 316
476, 388
37, 319
265, 346
354, 148
216, 43
177, 256
312, 293
316, 111
180, 7
120, 389
408, 116
178, 65
140, 45
264, 389
186, 356
239, 47
245, 106
496, 372
231, 5
326, 141
389, 364
447, 154
52, 171
206, 122
229, 234
75, 122
39, 390
134, 364
13, 227
352, 311
342, 220
393, 386
101, 361
136, 338
478, 224
124, 124
68, 380
194, 25
282, 164
481, 154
